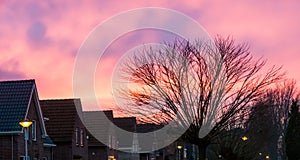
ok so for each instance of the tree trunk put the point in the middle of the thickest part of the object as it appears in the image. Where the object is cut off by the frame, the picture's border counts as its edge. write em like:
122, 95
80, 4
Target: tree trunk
202, 151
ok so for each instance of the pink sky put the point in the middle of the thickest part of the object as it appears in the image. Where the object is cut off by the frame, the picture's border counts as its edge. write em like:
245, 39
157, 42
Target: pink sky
39, 39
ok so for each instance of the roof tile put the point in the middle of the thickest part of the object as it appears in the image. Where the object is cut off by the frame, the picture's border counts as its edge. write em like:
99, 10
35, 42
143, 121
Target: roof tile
14, 99
62, 114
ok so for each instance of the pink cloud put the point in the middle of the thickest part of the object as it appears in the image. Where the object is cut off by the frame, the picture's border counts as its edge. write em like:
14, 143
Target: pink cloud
41, 38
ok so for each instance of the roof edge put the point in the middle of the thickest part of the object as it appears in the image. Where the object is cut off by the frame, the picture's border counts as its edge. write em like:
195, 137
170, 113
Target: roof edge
10, 132
59, 99
18, 80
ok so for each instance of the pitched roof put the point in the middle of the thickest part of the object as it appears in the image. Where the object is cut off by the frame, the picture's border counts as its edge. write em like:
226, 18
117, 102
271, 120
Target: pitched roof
148, 127
62, 114
15, 97
126, 123
98, 125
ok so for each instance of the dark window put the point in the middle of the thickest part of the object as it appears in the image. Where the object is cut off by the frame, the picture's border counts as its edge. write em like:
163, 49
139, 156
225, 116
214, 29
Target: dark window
76, 137
33, 131
109, 141
22, 158
81, 137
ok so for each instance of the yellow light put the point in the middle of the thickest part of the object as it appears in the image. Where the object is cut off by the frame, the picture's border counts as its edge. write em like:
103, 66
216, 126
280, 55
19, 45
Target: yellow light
25, 124
260, 153
267, 157
244, 138
179, 147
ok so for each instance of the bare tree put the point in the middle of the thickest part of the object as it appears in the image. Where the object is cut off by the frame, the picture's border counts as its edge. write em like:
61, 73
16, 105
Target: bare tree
203, 86
270, 117
292, 138
265, 126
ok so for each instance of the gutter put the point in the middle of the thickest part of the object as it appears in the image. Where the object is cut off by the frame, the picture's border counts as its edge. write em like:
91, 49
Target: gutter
10, 132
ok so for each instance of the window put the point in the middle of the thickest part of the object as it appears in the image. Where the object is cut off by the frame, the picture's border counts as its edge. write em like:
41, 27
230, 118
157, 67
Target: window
76, 137
23, 158
113, 142
33, 130
109, 141
81, 137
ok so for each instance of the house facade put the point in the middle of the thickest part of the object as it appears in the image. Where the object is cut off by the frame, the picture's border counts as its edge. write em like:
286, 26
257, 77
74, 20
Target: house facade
100, 148
127, 147
66, 129
19, 102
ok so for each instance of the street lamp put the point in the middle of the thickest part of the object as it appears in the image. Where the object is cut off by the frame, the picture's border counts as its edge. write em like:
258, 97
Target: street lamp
244, 138
25, 124
179, 148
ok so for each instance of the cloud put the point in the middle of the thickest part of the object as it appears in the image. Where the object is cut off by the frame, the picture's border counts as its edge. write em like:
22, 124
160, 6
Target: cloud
39, 39
9, 70
36, 32
13, 75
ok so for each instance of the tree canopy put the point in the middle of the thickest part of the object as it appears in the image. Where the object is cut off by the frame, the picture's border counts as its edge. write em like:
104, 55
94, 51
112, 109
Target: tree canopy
293, 133
204, 87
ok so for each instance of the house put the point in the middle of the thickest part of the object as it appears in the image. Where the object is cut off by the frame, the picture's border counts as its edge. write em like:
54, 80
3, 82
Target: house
102, 142
19, 101
175, 150
127, 147
150, 128
65, 128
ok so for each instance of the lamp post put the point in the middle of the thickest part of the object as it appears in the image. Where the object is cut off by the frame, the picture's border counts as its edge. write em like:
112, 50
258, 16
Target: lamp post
179, 148
25, 124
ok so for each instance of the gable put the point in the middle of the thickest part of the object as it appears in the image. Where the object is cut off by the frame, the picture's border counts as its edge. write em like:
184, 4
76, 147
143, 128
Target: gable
14, 101
16, 97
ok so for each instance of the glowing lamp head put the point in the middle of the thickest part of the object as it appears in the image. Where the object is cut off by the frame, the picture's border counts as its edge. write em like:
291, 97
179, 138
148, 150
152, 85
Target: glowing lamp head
179, 147
244, 138
267, 157
25, 124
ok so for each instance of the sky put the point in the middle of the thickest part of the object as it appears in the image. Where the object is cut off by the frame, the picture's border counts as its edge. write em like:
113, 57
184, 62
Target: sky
40, 39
